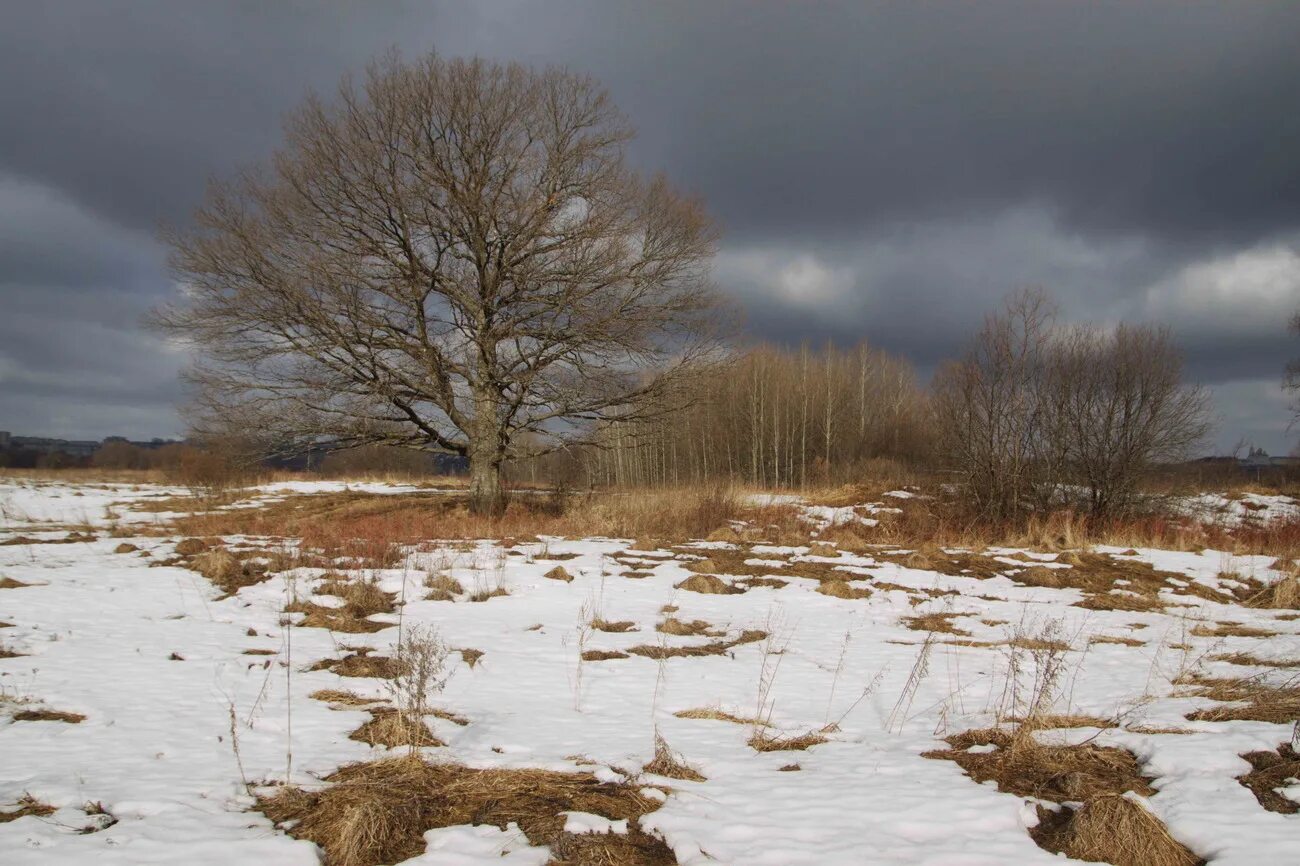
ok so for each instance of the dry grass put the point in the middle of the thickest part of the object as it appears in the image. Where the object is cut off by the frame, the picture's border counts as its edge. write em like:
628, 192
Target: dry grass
378, 812
362, 598
1271, 771
617, 627
48, 716
343, 698
391, 729
763, 740
1229, 629
1282, 594
6, 653
1114, 829
674, 626
1115, 639
841, 589
469, 656
443, 587
669, 764
935, 622
602, 655
708, 585
26, 805
1250, 660
124, 547
1245, 699
716, 714
10, 583
559, 573
226, 570
360, 664
714, 648
1028, 768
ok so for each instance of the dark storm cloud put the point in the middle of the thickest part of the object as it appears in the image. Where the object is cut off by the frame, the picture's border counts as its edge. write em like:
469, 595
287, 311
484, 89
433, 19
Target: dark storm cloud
886, 171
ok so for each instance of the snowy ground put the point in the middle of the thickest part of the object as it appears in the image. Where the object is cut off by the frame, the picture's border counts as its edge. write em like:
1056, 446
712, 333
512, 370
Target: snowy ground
158, 667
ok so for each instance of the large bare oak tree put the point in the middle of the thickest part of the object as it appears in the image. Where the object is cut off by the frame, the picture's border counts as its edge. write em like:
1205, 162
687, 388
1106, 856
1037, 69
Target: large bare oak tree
451, 257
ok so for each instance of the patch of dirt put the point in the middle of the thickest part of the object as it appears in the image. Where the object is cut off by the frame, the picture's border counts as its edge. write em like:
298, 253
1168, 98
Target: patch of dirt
1271, 771
378, 812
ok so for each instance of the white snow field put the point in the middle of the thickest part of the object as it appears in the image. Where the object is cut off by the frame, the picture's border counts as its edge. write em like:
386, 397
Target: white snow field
157, 662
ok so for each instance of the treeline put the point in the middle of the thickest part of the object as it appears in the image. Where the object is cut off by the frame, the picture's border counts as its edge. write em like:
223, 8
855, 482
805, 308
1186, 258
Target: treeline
772, 417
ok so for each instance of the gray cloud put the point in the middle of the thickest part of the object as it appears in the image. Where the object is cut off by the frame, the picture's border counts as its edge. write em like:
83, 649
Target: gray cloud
885, 171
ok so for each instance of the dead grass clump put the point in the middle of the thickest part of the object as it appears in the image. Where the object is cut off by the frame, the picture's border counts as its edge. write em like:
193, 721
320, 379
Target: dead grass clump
48, 716
708, 585
124, 547
361, 664
191, 546
672, 625
379, 812
714, 648
716, 714
1245, 699
602, 655
726, 534
1250, 660
749, 583
617, 627
1270, 772
559, 573
338, 619
1111, 829
935, 622
26, 805
470, 656
390, 728
1230, 629
10, 583
226, 571
763, 741
342, 698
1025, 767
1048, 721
443, 587
1283, 594
6, 653
703, 566
668, 763
363, 595
1110, 638
841, 589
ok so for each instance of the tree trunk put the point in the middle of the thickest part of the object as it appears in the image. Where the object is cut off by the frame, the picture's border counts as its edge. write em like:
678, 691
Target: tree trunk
486, 495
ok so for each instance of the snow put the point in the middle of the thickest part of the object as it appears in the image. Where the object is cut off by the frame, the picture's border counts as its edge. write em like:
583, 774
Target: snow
99, 630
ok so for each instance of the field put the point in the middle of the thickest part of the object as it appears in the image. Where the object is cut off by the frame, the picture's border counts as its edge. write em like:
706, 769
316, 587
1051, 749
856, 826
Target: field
779, 681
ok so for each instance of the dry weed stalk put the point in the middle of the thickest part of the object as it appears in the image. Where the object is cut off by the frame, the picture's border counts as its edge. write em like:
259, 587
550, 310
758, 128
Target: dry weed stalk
420, 662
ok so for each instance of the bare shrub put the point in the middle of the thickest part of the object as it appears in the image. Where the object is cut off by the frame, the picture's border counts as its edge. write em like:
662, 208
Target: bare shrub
420, 666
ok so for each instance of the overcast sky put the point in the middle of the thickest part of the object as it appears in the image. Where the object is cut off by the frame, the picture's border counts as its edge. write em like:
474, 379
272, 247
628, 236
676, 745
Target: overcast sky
885, 172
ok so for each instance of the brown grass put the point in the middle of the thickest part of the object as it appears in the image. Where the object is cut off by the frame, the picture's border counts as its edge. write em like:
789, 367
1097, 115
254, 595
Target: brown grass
470, 656
674, 626
378, 812
443, 587
389, 728
10, 583
559, 573
668, 763
935, 622
6, 653
1229, 629
361, 664
48, 716
26, 805
708, 585
617, 627
1247, 659
362, 598
343, 698
227, 571
1282, 594
1111, 829
1245, 699
764, 741
1027, 768
124, 547
716, 714
1110, 638
1270, 771
841, 589
602, 655
714, 648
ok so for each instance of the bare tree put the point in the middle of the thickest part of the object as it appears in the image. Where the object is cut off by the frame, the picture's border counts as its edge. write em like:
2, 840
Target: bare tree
447, 258
987, 406
1117, 406
1291, 381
